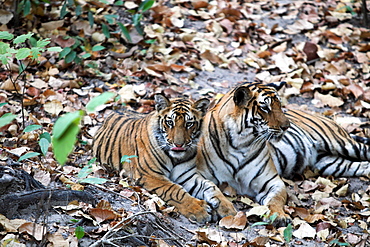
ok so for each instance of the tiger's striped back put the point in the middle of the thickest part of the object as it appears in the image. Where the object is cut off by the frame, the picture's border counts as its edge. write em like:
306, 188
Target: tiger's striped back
319, 143
165, 143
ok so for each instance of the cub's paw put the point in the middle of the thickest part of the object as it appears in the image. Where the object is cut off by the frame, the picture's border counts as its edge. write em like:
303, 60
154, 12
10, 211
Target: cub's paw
196, 210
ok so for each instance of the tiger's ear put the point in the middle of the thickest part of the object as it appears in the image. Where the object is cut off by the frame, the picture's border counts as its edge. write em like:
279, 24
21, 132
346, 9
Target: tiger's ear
161, 102
242, 95
202, 105
276, 85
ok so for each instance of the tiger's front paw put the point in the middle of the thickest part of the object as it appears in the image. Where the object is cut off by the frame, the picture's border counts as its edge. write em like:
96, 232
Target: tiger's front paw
225, 208
196, 210
282, 220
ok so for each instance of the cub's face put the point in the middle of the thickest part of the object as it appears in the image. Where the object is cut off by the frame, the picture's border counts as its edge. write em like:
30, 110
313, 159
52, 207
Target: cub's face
179, 125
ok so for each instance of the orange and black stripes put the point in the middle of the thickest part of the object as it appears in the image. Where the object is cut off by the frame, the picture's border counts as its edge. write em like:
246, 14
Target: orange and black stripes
164, 142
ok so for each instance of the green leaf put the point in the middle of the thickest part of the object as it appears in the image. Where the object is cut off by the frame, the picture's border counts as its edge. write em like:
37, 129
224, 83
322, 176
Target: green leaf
26, 7
98, 48
23, 53
136, 19
86, 55
46, 135
32, 127
28, 155
273, 217
55, 49
93, 180
125, 32
92, 161
36, 51
43, 42
44, 145
111, 18
90, 17
22, 38
7, 118
70, 57
336, 241
150, 41
33, 41
6, 35
85, 171
63, 10
65, 133
62, 123
106, 31
288, 233
4, 48
146, 5
4, 58
78, 10
99, 100
79, 232
261, 223
65, 52
126, 158
22, 67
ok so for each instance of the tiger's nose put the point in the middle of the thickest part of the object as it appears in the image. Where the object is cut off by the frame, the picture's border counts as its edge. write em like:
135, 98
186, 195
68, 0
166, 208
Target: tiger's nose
285, 127
178, 145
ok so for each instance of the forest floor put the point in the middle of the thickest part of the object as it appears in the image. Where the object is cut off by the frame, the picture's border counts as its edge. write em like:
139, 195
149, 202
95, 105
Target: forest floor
194, 49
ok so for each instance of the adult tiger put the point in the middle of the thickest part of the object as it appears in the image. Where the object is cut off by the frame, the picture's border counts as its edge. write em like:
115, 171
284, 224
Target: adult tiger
164, 142
248, 141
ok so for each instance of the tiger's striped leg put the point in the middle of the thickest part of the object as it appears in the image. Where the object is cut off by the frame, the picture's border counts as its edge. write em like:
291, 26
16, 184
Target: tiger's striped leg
202, 188
174, 194
274, 195
341, 167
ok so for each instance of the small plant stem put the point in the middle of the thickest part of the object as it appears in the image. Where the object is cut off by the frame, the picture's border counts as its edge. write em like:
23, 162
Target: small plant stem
24, 85
16, 13
364, 13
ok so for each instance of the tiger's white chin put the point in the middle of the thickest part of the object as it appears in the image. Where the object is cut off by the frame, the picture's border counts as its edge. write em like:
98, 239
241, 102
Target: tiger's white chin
177, 153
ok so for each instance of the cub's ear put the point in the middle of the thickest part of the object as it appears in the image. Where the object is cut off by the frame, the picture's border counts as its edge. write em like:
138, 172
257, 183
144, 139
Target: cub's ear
277, 85
202, 105
242, 95
161, 102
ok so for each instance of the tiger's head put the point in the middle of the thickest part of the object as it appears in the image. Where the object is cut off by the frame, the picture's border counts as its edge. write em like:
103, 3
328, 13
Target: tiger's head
260, 108
179, 123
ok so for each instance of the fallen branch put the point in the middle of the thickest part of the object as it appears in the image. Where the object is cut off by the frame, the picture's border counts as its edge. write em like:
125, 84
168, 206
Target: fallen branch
108, 236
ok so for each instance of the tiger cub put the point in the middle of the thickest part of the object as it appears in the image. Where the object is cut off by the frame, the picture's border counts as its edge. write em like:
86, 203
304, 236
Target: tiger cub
249, 143
165, 143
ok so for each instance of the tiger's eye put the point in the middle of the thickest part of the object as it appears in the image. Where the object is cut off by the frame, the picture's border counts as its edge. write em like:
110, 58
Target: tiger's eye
169, 123
265, 108
189, 124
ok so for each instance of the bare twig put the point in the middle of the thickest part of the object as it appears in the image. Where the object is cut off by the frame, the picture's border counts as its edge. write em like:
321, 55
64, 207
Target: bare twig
113, 192
122, 223
22, 73
106, 239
